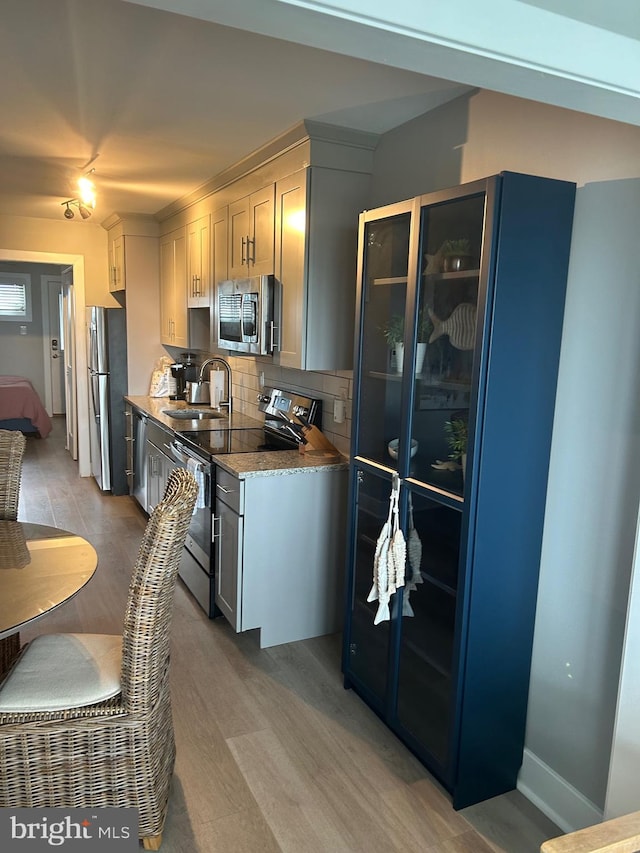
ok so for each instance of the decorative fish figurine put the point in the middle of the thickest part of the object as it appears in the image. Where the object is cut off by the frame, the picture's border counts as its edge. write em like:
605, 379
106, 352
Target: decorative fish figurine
460, 326
389, 559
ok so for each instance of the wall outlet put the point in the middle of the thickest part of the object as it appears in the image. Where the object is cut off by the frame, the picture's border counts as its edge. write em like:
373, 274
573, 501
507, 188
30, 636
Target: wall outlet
261, 378
23, 330
339, 411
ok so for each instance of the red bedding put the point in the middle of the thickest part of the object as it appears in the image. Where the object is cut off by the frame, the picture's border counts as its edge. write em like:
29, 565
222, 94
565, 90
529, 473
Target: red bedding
18, 399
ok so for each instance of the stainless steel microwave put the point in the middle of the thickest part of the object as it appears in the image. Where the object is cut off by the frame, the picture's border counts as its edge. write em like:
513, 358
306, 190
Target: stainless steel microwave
246, 314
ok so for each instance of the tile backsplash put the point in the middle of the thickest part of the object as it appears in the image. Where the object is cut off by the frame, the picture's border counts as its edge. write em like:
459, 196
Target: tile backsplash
330, 387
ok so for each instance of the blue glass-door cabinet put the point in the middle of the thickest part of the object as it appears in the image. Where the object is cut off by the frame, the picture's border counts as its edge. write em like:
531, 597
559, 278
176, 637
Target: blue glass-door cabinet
460, 306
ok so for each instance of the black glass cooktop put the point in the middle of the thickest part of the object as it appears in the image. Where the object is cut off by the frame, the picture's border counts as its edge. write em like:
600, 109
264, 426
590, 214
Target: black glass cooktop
216, 441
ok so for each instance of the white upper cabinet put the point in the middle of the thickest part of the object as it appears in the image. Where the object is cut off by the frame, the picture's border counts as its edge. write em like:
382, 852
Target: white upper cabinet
289, 210
173, 289
251, 234
316, 222
199, 263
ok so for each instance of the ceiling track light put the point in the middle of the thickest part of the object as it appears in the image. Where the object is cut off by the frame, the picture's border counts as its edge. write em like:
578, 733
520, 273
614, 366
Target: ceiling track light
85, 210
86, 199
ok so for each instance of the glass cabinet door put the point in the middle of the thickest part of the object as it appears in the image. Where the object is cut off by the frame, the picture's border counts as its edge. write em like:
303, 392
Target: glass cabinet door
383, 301
447, 319
425, 689
368, 648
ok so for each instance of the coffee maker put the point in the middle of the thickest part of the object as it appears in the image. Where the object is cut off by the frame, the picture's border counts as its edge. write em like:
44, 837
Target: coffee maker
183, 371
177, 371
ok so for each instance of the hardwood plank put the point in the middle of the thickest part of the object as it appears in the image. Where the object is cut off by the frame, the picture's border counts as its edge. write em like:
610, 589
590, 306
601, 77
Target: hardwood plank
273, 754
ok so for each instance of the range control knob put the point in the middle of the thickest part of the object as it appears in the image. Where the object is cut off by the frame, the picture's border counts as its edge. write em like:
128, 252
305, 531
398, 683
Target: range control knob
263, 398
300, 410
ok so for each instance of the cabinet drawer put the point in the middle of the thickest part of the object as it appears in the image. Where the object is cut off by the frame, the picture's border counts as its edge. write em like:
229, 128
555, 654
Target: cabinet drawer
230, 490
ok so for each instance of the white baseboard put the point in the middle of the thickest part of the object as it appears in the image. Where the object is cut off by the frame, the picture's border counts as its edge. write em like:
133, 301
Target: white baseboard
554, 796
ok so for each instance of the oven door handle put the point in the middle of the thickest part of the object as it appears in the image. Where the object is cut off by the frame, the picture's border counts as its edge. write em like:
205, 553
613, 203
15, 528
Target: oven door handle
177, 453
182, 455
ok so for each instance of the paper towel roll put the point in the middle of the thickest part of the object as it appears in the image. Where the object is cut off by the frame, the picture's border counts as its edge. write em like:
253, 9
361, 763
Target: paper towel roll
216, 387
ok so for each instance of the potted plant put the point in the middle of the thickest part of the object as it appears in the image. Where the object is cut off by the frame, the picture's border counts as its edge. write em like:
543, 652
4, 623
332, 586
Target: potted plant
456, 255
457, 432
394, 334
394, 330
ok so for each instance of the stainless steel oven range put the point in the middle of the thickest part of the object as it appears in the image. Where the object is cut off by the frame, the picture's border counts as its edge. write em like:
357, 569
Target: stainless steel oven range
196, 451
196, 555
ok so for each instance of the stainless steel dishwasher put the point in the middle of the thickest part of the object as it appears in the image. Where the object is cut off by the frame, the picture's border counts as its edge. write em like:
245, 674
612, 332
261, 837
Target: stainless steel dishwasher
139, 457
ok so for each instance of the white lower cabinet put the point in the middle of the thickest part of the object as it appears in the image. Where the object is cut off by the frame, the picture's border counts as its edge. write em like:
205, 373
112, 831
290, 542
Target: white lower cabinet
279, 552
229, 533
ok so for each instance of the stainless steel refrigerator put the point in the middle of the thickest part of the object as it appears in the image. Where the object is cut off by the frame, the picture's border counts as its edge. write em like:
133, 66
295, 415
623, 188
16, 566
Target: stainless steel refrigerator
107, 364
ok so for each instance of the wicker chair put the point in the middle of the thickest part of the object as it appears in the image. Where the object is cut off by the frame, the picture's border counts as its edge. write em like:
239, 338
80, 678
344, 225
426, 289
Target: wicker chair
104, 738
12, 445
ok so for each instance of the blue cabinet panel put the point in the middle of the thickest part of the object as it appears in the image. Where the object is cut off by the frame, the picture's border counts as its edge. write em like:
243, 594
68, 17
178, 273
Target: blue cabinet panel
458, 346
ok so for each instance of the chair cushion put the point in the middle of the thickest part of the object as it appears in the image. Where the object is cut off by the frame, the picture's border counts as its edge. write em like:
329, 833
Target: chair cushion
58, 671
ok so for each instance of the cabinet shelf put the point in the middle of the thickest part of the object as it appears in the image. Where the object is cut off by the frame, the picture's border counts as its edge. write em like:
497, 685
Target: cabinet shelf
451, 276
436, 654
440, 584
426, 382
393, 279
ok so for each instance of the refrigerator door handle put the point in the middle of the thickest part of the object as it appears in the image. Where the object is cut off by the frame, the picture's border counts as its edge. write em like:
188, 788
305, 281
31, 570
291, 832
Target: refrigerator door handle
92, 383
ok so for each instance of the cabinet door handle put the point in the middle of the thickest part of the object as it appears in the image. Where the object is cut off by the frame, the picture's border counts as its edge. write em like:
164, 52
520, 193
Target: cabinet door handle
244, 260
225, 491
273, 344
214, 535
252, 258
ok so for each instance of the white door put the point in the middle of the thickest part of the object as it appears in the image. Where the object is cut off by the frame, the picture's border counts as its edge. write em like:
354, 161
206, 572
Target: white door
51, 286
69, 348
56, 359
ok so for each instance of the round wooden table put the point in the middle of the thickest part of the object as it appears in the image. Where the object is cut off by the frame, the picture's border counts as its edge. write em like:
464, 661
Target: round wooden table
40, 568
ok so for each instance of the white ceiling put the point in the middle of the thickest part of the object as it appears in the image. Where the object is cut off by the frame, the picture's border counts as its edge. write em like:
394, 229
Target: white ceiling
168, 101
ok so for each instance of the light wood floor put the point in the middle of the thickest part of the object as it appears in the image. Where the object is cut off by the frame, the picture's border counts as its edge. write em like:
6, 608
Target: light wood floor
273, 753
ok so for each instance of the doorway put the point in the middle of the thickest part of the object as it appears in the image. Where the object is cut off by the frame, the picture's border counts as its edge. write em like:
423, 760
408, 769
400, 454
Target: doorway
59, 347
76, 262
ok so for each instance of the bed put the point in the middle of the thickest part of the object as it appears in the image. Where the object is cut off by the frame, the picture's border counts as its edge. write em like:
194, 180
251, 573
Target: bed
21, 408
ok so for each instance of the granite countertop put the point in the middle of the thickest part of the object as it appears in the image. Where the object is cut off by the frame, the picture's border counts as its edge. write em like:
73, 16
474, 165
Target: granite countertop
156, 406
278, 464
241, 465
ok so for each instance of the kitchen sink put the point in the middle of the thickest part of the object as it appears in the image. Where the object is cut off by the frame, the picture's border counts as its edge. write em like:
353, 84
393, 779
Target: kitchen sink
193, 414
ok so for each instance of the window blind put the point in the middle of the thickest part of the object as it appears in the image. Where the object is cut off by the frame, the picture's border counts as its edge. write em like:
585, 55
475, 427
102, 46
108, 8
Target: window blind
13, 299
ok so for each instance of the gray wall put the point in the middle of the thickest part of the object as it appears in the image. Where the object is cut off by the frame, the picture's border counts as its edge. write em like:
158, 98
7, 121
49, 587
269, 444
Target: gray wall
594, 486
594, 491
22, 355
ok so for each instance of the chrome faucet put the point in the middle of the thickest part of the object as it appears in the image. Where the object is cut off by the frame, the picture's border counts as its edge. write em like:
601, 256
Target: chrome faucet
216, 360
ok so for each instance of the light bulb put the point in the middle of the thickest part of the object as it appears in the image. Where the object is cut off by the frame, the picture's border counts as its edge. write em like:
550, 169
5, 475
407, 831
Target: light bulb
87, 192
68, 214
